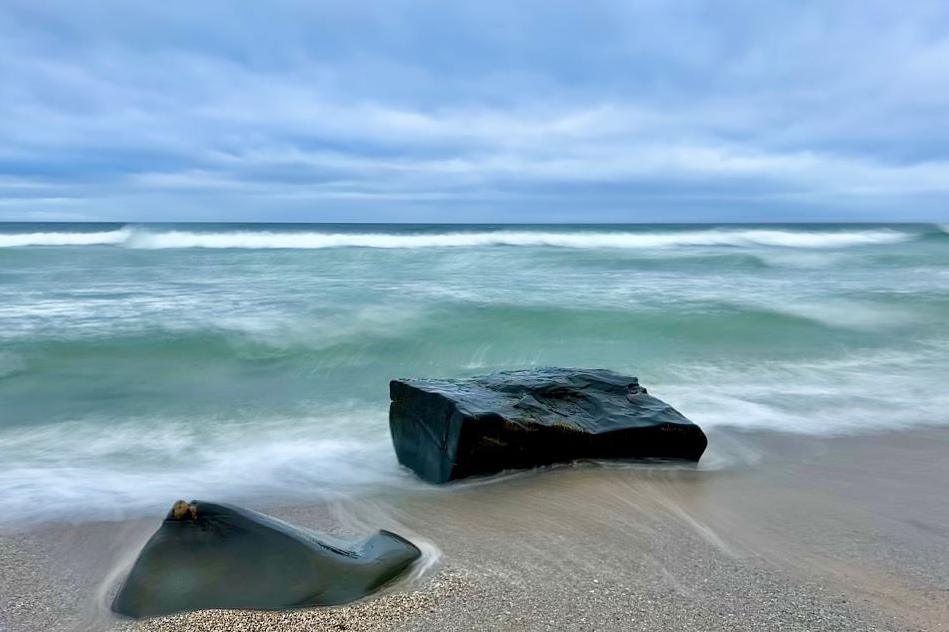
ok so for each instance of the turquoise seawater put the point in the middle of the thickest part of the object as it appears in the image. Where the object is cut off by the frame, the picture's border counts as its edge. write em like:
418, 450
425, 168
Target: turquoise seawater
143, 363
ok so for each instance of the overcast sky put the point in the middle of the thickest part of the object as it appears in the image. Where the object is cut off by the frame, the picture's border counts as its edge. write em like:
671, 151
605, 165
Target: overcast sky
474, 111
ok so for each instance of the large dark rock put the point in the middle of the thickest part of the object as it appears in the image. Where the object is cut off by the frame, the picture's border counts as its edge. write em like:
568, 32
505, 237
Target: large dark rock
450, 429
218, 556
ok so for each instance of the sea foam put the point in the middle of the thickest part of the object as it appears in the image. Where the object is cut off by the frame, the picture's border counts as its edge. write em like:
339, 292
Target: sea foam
62, 469
147, 238
102, 238
579, 239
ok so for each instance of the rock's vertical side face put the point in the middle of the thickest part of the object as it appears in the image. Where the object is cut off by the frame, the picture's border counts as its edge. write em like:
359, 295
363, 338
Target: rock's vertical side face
449, 429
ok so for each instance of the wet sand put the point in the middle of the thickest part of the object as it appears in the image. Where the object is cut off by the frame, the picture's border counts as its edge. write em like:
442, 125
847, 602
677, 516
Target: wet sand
773, 532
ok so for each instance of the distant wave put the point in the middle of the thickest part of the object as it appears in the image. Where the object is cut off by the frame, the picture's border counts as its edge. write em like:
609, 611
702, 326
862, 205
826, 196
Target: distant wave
512, 238
151, 239
103, 238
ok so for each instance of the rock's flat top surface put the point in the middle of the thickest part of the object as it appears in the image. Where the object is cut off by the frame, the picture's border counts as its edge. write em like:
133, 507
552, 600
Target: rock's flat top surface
592, 400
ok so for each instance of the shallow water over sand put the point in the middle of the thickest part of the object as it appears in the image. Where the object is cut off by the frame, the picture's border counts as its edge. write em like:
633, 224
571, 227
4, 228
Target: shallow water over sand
829, 533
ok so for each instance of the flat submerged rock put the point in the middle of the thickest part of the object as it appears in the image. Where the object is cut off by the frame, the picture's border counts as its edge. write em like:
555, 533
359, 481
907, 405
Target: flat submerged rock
449, 429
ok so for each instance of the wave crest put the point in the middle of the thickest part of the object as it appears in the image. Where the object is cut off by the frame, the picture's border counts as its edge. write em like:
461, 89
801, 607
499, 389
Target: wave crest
140, 238
102, 238
308, 240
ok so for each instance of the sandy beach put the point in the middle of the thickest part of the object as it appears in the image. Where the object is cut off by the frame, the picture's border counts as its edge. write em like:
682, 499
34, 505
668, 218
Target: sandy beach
797, 533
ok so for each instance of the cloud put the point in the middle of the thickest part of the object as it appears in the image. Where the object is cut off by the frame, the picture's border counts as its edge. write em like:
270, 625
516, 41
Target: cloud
465, 112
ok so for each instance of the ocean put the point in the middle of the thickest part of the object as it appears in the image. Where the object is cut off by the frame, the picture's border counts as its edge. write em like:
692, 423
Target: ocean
140, 364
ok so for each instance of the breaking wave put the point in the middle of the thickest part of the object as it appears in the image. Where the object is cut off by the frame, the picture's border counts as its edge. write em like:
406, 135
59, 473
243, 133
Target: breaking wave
101, 238
142, 238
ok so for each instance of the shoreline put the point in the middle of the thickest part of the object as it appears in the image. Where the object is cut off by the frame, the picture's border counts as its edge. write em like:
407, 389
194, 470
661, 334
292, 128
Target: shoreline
813, 533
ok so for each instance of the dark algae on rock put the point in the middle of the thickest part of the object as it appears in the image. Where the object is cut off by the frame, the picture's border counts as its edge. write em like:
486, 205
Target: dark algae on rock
206, 555
449, 429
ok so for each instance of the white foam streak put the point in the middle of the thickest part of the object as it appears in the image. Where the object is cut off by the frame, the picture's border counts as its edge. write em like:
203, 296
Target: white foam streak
150, 239
851, 395
580, 239
102, 238
125, 468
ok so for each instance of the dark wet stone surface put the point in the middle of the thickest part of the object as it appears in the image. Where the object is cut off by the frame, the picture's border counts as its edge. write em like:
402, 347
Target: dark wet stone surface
450, 429
206, 555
